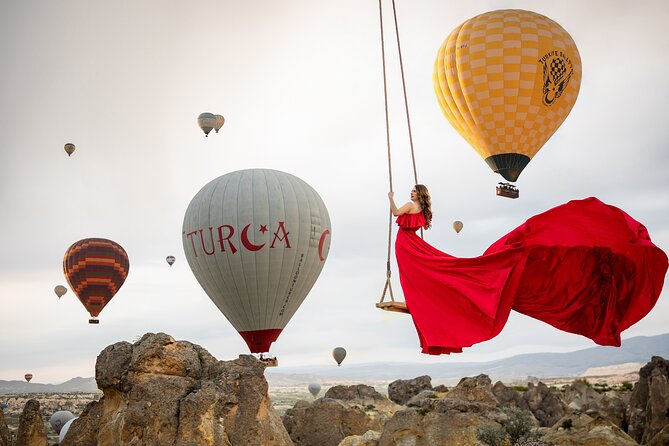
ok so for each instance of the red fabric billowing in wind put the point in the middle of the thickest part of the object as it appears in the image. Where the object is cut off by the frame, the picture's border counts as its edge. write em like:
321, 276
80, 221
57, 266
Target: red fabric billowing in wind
584, 267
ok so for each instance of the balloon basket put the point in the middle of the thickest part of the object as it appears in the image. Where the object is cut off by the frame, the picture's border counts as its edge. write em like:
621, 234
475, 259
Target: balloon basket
507, 190
269, 362
94, 321
394, 306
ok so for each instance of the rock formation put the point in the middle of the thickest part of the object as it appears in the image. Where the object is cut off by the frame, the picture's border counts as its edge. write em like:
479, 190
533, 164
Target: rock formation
31, 426
5, 435
159, 391
369, 438
586, 431
402, 390
648, 412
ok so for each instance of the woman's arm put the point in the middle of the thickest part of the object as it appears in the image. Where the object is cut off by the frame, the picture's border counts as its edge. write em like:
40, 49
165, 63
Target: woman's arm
405, 209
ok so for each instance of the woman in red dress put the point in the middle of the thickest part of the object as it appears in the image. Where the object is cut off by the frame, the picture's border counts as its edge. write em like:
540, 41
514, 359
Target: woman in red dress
584, 267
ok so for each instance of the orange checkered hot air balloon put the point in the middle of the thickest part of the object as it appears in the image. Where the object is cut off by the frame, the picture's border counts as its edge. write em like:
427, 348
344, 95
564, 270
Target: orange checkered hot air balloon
506, 80
95, 268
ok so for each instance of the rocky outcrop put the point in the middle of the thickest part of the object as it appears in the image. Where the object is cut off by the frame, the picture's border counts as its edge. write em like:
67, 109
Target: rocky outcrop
401, 390
585, 430
31, 426
545, 405
324, 422
369, 438
610, 406
449, 420
648, 411
359, 394
159, 391
5, 435
661, 438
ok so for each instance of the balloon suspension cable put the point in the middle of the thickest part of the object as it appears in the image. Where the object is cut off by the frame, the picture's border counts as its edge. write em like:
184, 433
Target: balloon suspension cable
388, 285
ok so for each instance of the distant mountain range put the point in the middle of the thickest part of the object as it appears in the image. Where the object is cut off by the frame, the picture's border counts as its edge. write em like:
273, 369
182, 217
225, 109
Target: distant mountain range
540, 365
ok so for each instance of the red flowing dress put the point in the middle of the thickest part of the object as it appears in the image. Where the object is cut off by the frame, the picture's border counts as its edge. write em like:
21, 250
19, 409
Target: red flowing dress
584, 267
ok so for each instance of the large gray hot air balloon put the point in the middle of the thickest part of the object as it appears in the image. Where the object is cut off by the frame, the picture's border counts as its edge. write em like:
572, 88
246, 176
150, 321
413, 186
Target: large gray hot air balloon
314, 389
206, 121
58, 419
339, 353
60, 290
256, 241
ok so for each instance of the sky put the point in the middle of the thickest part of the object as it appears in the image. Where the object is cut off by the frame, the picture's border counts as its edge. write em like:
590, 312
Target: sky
300, 85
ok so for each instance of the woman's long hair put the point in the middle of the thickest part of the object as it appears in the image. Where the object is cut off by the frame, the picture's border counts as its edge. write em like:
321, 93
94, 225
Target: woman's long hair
425, 204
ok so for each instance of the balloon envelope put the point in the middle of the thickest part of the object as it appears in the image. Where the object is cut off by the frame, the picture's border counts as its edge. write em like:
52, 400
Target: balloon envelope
69, 148
506, 80
58, 419
339, 353
206, 121
256, 240
220, 120
60, 290
170, 260
457, 225
64, 429
95, 268
4, 406
314, 389
28, 376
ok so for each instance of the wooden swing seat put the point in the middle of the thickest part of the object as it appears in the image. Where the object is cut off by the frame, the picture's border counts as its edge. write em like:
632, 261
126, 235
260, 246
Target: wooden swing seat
397, 307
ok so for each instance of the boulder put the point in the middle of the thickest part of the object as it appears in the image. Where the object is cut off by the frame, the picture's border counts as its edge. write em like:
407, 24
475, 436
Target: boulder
31, 426
401, 390
159, 391
610, 406
648, 411
579, 393
586, 431
369, 438
660, 439
5, 435
546, 406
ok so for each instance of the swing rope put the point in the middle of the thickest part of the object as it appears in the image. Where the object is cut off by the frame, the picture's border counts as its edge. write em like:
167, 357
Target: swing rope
388, 285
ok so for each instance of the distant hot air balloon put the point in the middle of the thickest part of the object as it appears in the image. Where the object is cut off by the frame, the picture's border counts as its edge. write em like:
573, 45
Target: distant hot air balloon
506, 80
339, 353
95, 268
206, 121
60, 290
457, 225
28, 376
256, 241
64, 429
170, 260
69, 148
314, 389
58, 419
4, 406
220, 120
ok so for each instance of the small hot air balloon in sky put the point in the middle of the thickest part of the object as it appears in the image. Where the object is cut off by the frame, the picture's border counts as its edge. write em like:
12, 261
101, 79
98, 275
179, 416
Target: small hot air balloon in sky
220, 120
457, 226
28, 376
95, 268
58, 419
314, 389
256, 240
506, 80
339, 353
69, 148
60, 290
206, 121
170, 260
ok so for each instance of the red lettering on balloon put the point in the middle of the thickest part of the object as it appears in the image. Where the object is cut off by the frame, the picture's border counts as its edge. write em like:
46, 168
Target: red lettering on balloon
246, 242
190, 236
281, 238
222, 240
211, 237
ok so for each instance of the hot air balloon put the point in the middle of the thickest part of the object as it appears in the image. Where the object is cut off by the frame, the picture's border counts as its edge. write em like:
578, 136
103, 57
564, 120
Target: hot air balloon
220, 120
170, 260
60, 290
314, 389
506, 80
457, 225
206, 121
69, 148
28, 376
58, 419
256, 240
95, 268
64, 429
339, 353
4, 406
